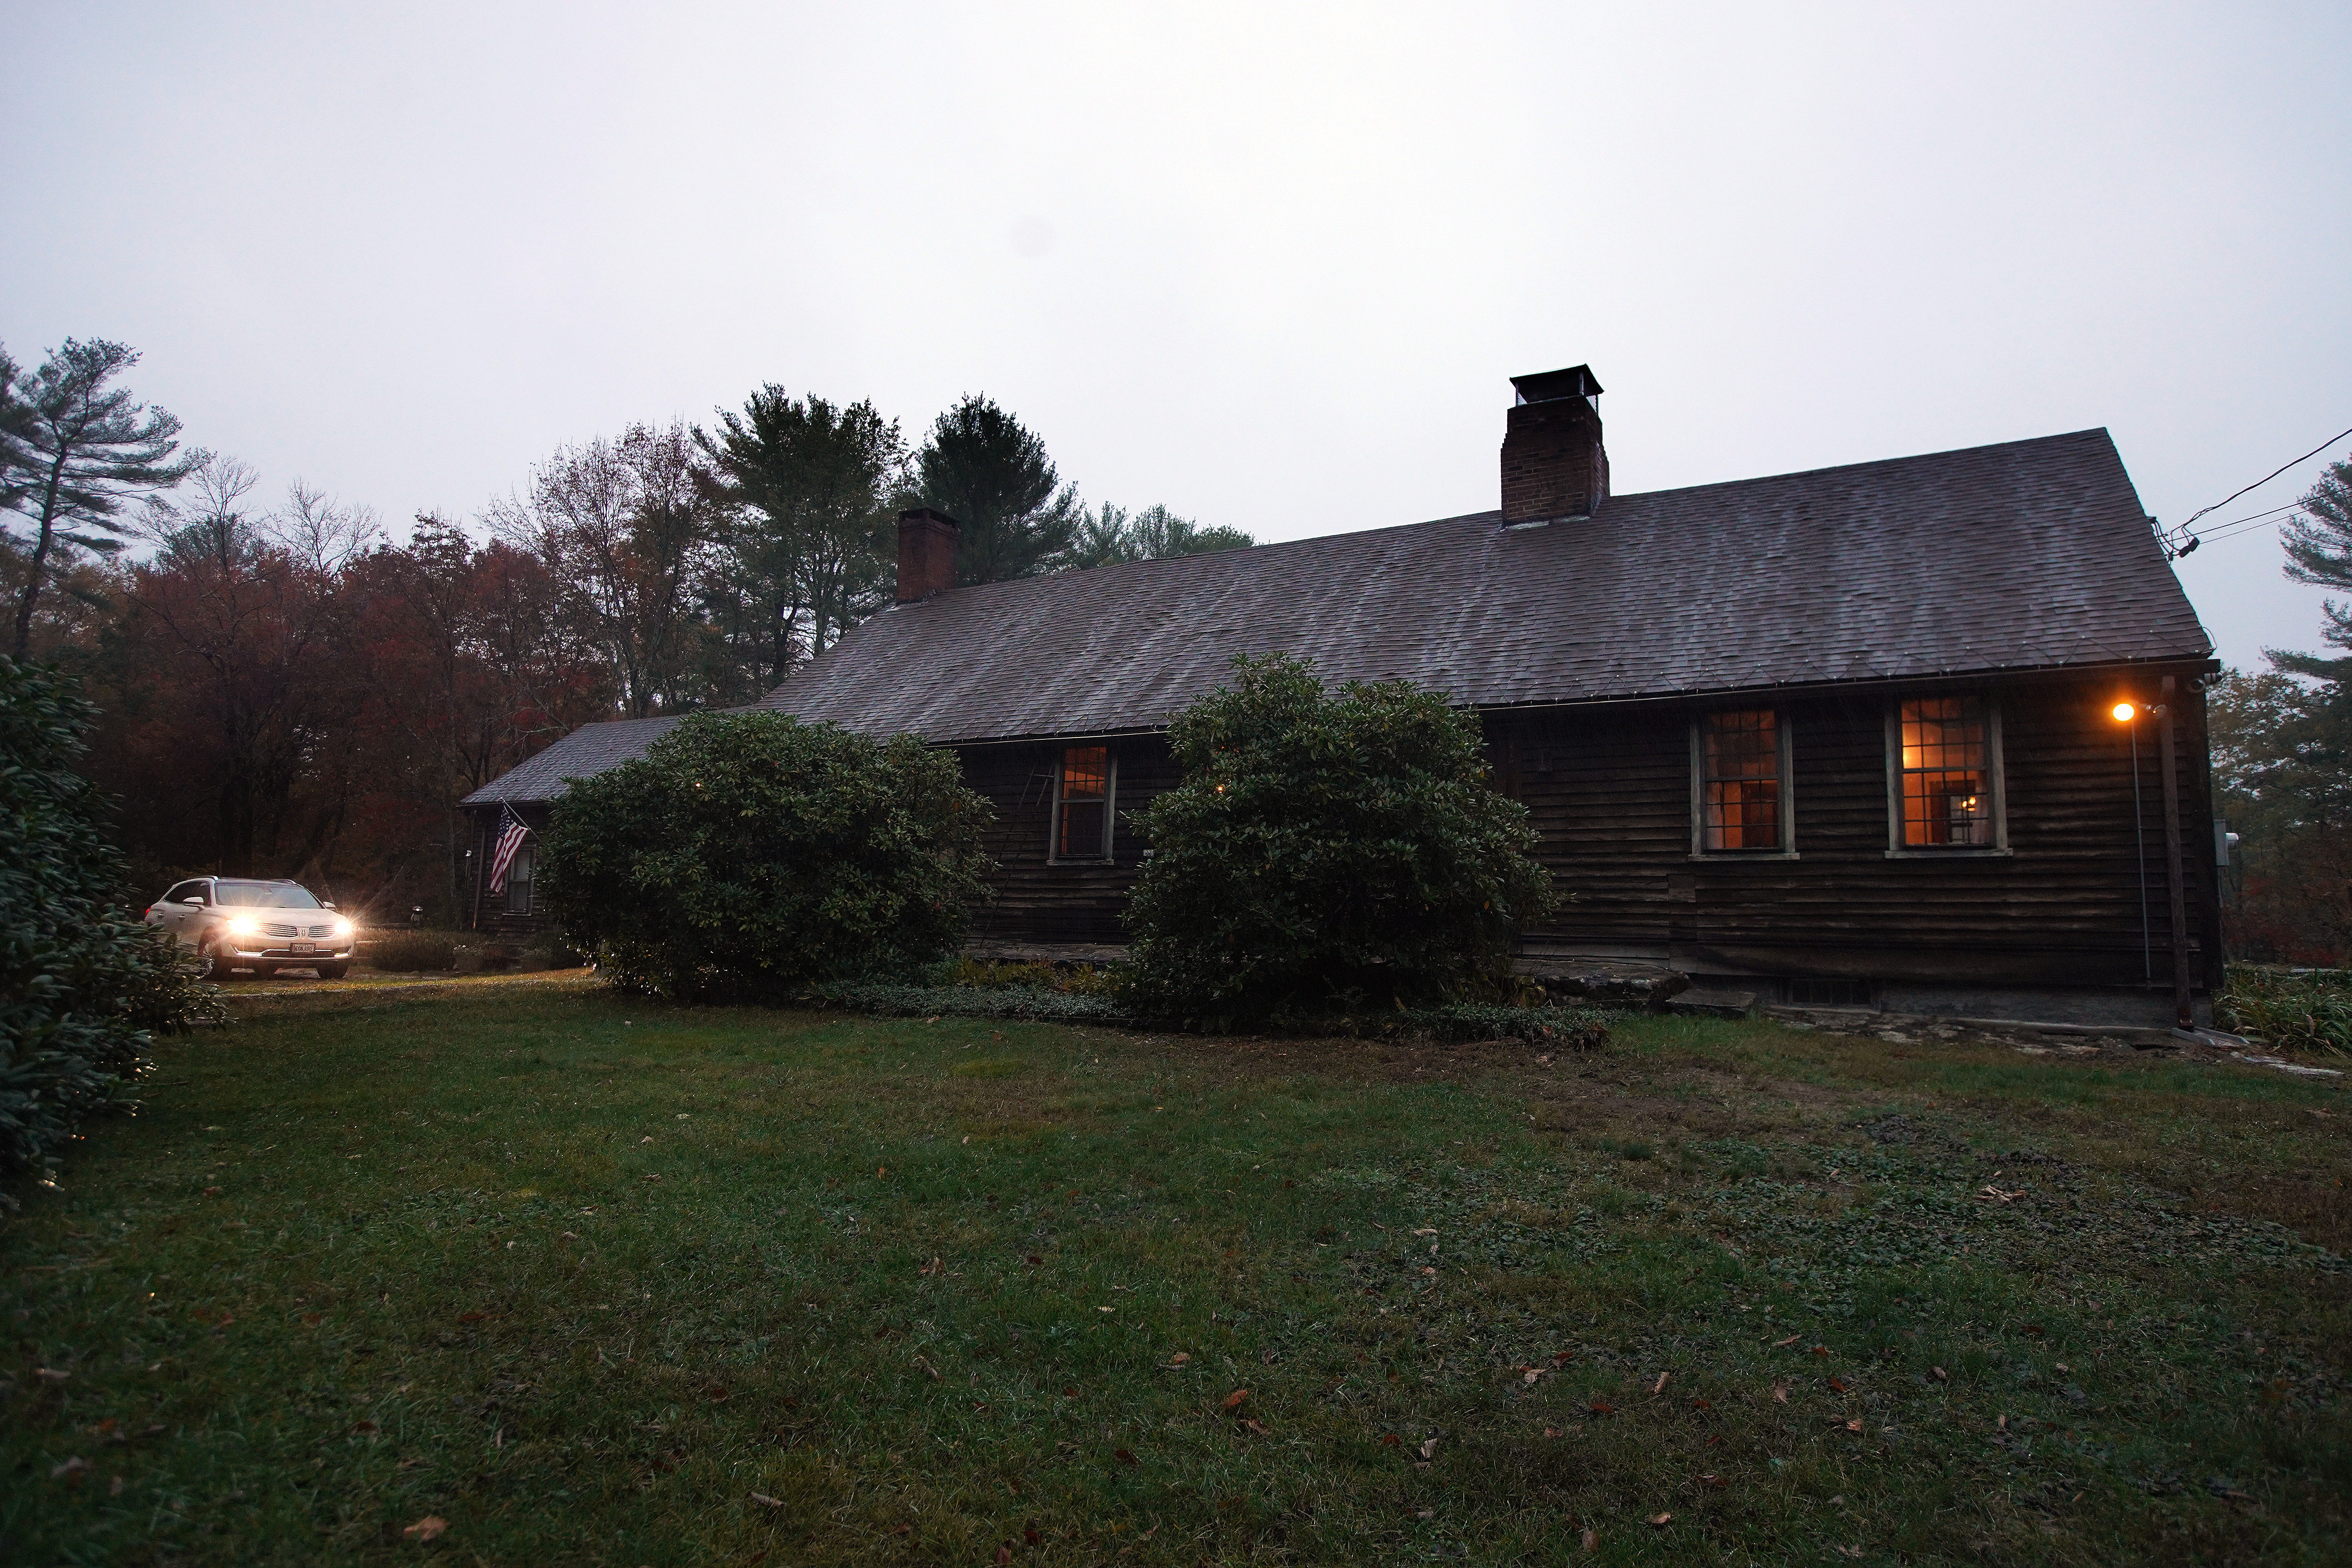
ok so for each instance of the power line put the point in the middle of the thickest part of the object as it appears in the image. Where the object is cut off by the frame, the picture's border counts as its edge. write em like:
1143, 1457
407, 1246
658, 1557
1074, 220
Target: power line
2266, 479
2190, 541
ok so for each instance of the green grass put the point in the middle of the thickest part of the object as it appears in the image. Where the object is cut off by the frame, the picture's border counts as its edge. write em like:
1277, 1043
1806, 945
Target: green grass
591, 1279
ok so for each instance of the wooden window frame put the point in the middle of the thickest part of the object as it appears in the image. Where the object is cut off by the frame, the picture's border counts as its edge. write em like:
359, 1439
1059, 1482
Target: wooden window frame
1994, 766
1053, 856
1783, 747
530, 884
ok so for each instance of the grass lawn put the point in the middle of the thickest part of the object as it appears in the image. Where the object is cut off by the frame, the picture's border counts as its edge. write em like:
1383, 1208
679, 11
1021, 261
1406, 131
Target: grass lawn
597, 1281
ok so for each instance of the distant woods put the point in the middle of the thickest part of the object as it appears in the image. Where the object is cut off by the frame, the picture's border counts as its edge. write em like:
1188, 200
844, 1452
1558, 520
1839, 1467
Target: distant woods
287, 691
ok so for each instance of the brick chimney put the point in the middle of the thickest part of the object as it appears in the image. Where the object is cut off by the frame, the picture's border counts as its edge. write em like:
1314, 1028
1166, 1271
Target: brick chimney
927, 554
1553, 463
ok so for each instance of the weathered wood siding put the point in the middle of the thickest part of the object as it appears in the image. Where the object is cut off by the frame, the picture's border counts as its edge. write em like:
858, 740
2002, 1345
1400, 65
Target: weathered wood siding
486, 911
1610, 792
1038, 901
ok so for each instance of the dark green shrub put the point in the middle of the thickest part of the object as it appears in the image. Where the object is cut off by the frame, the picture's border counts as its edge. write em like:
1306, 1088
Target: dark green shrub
748, 855
408, 952
1327, 850
83, 984
1027, 1002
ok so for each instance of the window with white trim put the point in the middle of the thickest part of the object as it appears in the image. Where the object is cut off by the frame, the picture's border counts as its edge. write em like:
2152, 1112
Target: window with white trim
1084, 786
519, 879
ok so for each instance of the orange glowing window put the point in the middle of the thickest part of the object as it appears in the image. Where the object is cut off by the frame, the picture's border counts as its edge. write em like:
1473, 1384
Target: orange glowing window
1740, 784
1946, 773
1082, 804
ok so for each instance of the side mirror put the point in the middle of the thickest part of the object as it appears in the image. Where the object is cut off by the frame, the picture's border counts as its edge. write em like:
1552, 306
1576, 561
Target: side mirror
326, 904
193, 903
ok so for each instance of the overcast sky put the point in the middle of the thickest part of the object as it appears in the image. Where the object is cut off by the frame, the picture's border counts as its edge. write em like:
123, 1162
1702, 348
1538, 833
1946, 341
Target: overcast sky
1270, 265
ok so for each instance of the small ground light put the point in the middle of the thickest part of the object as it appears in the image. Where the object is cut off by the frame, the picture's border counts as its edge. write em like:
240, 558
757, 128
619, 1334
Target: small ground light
2123, 711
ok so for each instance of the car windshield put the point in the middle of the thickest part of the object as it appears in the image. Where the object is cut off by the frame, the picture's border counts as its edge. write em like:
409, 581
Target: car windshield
264, 896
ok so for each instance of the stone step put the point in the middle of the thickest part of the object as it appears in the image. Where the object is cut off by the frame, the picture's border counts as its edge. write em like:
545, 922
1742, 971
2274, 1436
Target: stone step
1714, 1004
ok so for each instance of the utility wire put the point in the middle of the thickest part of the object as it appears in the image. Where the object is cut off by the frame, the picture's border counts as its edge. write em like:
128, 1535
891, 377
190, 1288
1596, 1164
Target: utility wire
2189, 540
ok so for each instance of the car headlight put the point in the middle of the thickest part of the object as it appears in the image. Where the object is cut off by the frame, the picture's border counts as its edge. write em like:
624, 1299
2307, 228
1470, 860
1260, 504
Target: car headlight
243, 925
342, 930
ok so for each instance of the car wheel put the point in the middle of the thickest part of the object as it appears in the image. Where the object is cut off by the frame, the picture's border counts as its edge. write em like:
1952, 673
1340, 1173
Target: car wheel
207, 961
333, 971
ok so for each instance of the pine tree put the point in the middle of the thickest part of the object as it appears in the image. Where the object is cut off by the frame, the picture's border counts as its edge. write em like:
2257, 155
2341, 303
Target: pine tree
982, 467
74, 449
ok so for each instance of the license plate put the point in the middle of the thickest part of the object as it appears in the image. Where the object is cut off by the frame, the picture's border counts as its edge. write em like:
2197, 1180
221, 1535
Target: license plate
305, 947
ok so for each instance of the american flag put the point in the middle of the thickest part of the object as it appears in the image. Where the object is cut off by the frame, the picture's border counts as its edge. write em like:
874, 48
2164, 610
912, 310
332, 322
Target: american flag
511, 833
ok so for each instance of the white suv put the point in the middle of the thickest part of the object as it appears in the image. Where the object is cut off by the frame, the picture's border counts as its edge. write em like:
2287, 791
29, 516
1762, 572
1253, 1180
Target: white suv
234, 922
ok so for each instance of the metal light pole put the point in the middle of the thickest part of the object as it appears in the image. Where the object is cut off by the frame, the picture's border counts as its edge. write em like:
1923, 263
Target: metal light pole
2184, 1016
2125, 713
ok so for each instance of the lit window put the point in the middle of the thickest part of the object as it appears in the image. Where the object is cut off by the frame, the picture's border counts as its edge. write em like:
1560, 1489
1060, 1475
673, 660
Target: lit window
1739, 781
1082, 804
1946, 773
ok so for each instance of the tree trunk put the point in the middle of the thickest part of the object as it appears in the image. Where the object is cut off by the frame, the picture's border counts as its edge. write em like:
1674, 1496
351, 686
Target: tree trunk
40, 556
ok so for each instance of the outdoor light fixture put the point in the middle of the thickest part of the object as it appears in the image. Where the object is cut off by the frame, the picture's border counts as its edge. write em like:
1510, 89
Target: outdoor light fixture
2125, 712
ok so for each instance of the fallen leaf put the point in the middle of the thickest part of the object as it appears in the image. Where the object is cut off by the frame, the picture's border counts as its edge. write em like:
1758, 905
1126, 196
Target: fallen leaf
1821, 1350
1662, 1384
50, 1375
1070, 1393
114, 1488
1428, 1271
1660, 1520
570, 1235
764, 1500
1391, 1440
884, 1170
1429, 1448
1531, 1376
1003, 1554
1124, 1457
1781, 1392
1941, 1375
1254, 1427
212, 1191
312, 1317
1179, 1358
2002, 1424
74, 1467
1424, 1231
1784, 1344
1701, 1405
1561, 1358
1551, 1431
1233, 1400
430, 1528
1035, 1261
1854, 1425
363, 1426
716, 1393
1712, 1480
1838, 1384
471, 1317
1031, 1535
1603, 1408
1591, 1539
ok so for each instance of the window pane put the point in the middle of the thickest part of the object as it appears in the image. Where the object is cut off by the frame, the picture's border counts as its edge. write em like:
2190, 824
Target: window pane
1946, 785
1742, 781
1085, 805
518, 881
1085, 772
1082, 830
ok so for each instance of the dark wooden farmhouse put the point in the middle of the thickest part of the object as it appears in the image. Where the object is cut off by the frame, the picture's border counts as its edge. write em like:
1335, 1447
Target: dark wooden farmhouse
1844, 737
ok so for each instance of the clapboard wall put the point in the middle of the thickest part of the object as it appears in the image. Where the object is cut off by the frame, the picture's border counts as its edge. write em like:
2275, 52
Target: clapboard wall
1608, 789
